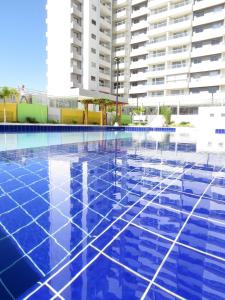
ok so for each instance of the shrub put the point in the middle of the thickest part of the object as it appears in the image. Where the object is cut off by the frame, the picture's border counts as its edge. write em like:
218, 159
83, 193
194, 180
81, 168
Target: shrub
74, 122
31, 120
185, 124
53, 122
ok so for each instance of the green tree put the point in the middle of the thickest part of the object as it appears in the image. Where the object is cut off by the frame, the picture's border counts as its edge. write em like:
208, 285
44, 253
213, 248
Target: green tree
139, 110
6, 93
166, 112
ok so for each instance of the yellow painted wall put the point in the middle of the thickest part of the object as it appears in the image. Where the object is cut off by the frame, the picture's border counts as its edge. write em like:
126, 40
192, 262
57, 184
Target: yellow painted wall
11, 112
94, 117
69, 116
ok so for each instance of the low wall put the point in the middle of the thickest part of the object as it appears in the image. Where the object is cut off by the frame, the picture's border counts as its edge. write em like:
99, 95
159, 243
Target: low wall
94, 117
54, 114
11, 112
72, 116
36, 111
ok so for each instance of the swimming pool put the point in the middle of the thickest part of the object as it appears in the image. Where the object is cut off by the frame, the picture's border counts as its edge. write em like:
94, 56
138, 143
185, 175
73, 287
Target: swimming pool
111, 215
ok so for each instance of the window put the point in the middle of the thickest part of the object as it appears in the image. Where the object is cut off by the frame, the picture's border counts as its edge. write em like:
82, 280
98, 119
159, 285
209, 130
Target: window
93, 36
94, 7
93, 50
93, 78
93, 22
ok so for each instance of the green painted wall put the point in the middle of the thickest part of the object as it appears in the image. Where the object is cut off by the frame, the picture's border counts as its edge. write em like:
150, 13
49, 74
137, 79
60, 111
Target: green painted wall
36, 111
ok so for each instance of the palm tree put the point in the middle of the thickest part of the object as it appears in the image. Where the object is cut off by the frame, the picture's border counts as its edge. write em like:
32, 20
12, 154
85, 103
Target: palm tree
6, 93
14, 94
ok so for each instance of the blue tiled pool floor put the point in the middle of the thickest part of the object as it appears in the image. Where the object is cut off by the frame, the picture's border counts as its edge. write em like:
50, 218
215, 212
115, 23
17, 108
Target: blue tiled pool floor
112, 219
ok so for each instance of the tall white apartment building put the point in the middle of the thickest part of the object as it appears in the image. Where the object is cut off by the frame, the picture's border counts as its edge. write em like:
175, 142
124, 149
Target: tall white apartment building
171, 51
79, 46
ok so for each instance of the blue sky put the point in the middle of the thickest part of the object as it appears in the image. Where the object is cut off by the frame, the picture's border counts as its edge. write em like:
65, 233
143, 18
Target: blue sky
23, 43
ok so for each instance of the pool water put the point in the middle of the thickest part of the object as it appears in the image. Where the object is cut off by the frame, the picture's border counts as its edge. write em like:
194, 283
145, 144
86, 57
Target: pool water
111, 216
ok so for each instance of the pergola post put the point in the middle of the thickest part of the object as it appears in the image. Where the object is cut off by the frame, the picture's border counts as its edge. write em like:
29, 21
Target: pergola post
120, 114
85, 113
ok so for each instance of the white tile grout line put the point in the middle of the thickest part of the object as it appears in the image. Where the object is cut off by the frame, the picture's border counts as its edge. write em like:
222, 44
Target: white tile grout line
110, 170
8, 291
177, 243
177, 167
133, 272
174, 242
56, 294
85, 267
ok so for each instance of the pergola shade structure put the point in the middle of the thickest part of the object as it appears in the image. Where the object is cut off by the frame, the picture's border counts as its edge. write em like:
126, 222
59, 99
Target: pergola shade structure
103, 104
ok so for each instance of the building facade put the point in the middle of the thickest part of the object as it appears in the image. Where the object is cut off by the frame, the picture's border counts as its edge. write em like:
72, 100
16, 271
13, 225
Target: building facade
171, 51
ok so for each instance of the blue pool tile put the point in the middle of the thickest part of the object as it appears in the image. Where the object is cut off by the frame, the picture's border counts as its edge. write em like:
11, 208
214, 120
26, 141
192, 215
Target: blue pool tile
86, 195
71, 207
180, 201
48, 255
211, 208
52, 220
8, 220
206, 236
87, 220
105, 280
6, 204
36, 207
193, 275
71, 268
44, 293
4, 293
115, 193
9, 253
161, 220
30, 236
99, 185
30, 275
5, 177
11, 185
108, 235
69, 236
23, 195
102, 205
139, 250
216, 192
159, 294
40, 187
30, 178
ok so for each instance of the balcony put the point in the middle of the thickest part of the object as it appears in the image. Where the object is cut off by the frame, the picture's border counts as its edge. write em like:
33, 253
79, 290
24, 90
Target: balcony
120, 28
139, 51
121, 15
76, 12
208, 66
205, 4
139, 25
209, 18
139, 89
208, 34
139, 38
139, 64
136, 77
120, 53
140, 12
119, 41
207, 50
119, 3
76, 41
206, 81
104, 63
